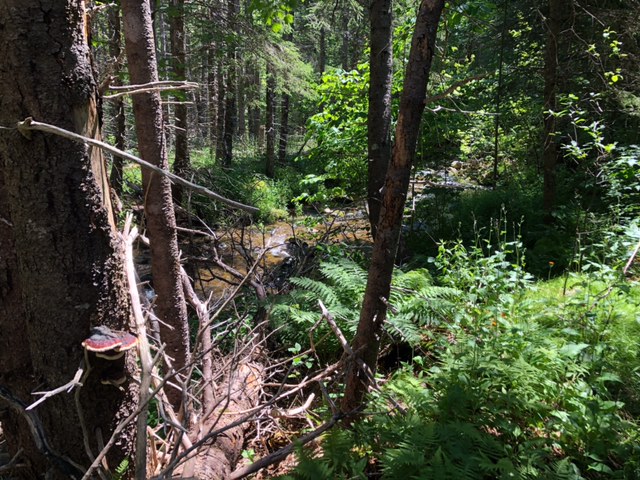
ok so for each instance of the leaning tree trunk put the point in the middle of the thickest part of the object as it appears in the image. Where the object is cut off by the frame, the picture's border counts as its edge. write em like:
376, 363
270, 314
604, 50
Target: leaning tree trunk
379, 119
374, 309
61, 269
160, 217
181, 163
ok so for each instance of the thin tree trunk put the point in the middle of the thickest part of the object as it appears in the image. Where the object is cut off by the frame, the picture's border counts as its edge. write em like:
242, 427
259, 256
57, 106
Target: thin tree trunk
284, 128
346, 36
221, 93
374, 309
212, 82
560, 16
56, 218
119, 118
379, 119
254, 104
160, 218
322, 55
496, 129
270, 124
242, 100
231, 107
181, 163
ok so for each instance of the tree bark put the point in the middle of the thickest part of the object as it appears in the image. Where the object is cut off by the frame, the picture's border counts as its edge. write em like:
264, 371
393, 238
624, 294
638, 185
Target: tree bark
115, 48
367, 340
270, 124
284, 128
254, 103
212, 83
181, 163
559, 13
61, 268
231, 107
379, 119
322, 54
159, 212
220, 120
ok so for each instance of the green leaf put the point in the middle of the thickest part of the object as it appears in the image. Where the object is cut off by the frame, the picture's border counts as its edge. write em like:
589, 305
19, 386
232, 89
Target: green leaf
572, 349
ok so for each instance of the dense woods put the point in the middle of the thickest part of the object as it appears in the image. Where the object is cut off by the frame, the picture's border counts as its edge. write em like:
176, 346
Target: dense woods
319, 240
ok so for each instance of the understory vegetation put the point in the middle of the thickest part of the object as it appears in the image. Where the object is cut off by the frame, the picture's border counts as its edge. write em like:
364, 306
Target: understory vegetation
511, 347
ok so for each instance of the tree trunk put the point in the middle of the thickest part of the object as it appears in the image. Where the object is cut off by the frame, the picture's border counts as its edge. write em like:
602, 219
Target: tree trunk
496, 124
231, 107
367, 340
559, 13
159, 212
346, 37
322, 54
241, 129
379, 119
284, 128
212, 83
115, 48
270, 124
254, 103
181, 163
61, 269
220, 123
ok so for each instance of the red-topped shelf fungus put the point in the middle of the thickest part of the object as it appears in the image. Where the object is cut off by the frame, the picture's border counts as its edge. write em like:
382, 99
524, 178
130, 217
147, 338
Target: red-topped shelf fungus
108, 343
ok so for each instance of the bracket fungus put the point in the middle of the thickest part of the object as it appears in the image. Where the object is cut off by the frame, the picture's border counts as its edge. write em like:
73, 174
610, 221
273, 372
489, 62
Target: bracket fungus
109, 344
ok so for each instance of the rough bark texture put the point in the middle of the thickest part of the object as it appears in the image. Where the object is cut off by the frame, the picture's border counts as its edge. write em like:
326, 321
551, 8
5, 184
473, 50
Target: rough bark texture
61, 268
239, 393
160, 218
181, 163
270, 124
560, 11
367, 340
379, 119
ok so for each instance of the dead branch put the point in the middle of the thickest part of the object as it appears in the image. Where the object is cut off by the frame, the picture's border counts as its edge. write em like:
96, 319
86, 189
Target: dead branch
25, 127
279, 455
128, 236
67, 387
631, 258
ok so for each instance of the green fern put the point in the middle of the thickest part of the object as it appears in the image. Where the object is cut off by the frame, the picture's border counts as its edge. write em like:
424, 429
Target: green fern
415, 303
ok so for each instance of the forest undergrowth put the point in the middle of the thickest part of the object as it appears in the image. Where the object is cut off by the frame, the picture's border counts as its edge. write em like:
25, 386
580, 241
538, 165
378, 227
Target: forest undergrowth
491, 367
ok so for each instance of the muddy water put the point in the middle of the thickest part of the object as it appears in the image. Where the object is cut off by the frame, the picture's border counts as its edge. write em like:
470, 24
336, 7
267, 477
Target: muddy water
279, 249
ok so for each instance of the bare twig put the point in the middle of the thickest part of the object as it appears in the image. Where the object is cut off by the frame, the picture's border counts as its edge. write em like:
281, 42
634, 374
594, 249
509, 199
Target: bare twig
279, 455
631, 258
67, 387
25, 127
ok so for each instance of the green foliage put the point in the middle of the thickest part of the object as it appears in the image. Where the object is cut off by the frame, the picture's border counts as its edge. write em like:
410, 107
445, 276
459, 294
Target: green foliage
415, 303
339, 133
532, 381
